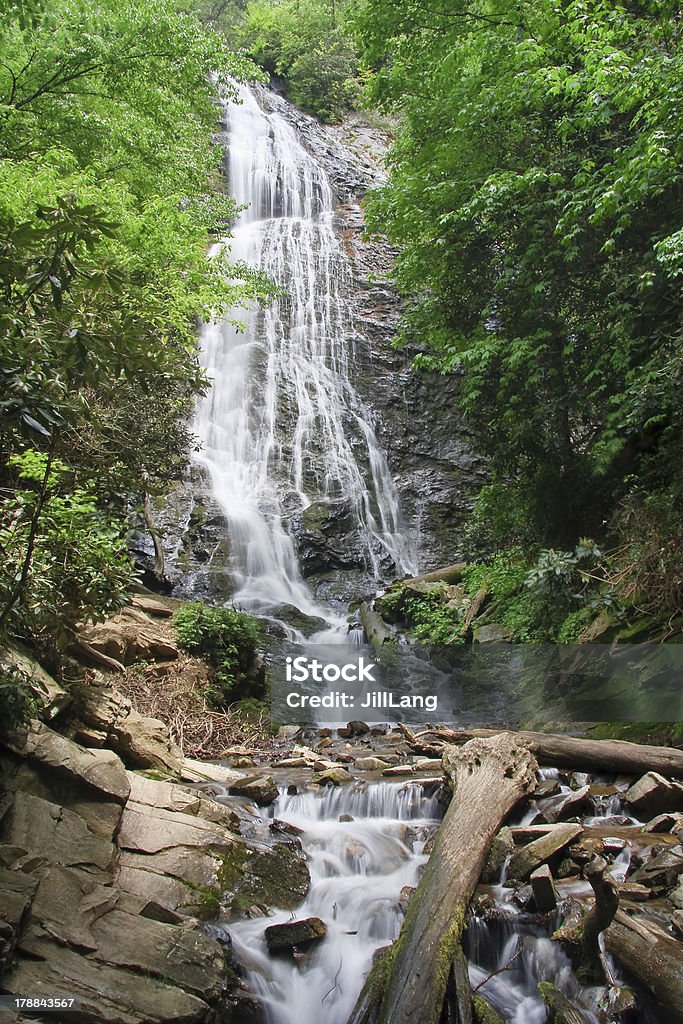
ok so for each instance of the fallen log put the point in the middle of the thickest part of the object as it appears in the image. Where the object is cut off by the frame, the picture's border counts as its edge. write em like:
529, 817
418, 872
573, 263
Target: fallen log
556, 751
376, 629
489, 776
448, 574
654, 958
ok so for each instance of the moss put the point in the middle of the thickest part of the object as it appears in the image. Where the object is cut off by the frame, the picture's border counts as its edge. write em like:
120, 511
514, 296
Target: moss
276, 877
656, 733
484, 1013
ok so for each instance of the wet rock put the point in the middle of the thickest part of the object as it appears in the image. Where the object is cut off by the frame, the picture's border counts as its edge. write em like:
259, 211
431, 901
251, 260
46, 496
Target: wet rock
537, 852
259, 788
285, 938
346, 817
357, 728
565, 807
404, 896
543, 888
501, 848
546, 788
285, 827
333, 777
635, 891
293, 616
653, 794
663, 871
370, 764
677, 922
664, 823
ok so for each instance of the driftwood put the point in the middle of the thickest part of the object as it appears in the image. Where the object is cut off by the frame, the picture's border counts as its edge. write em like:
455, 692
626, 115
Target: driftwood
423, 970
565, 751
654, 958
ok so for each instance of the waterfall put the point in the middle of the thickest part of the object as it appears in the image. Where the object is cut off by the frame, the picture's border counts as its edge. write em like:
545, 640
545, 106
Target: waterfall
283, 424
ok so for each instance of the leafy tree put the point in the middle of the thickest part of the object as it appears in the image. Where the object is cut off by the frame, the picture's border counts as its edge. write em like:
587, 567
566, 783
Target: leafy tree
536, 196
109, 191
305, 42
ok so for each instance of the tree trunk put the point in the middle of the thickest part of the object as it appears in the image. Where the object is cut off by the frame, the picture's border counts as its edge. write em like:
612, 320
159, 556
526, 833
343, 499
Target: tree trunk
489, 777
449, 574
651, 956
569, 751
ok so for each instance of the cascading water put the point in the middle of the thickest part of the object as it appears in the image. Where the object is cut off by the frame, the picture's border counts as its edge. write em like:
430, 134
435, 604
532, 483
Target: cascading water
283, 424
358, 868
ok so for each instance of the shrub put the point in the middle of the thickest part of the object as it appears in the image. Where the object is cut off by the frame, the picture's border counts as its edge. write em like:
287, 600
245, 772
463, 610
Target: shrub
227, 639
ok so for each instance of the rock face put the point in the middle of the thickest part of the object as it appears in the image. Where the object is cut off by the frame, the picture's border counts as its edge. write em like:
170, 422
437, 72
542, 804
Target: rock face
105, 875
101, 716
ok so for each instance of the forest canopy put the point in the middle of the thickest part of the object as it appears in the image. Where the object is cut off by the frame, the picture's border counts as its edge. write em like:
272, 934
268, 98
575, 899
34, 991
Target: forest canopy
109, 192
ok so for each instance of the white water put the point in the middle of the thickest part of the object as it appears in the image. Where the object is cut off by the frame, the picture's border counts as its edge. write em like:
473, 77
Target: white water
283, 425
358, 869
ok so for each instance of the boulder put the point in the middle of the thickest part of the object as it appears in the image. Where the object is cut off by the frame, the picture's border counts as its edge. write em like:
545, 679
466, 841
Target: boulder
207, 771
653, 794
101, 770
663, 871
358, 728
108, 995
333, 777
285, 938
130, 636
56, 834
51, 695
537, 852
370, 764
664, 823
142, 742
494, 633
259, 788
543, 888
562, 808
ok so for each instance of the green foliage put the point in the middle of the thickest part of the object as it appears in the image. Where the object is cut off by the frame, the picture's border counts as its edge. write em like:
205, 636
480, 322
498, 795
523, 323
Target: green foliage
304, 42
109, 191
502, 575
536, 196
66, 554
228, 640
18, 699
430, 620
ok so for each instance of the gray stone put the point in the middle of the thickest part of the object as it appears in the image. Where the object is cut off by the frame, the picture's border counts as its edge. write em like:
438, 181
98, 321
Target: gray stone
567, 806
51, 695
501, 848
333, 777
494, 633
108, 994
653, 794
285, 938
543, 888
100, 769
55, 833
370, 764
662, 871
259, 788
663, 823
